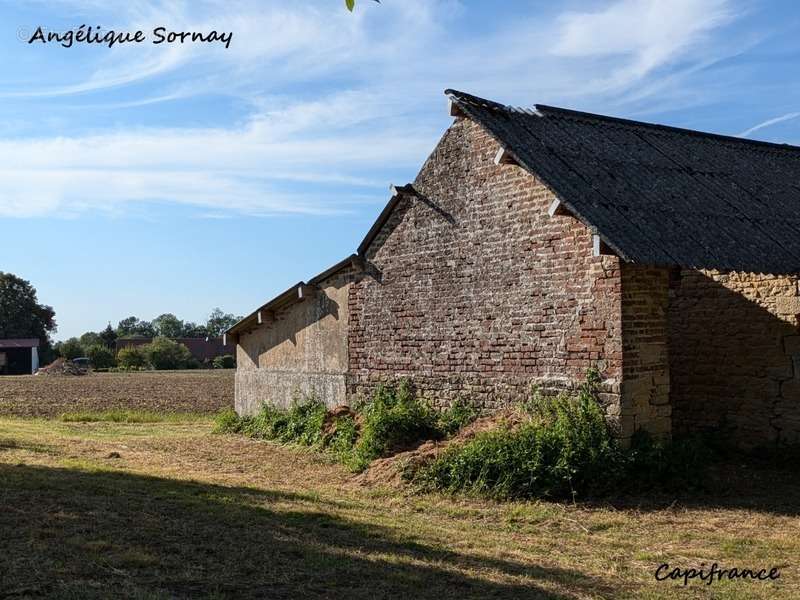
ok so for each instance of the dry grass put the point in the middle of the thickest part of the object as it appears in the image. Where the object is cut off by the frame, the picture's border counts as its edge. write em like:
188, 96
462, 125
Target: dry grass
165, 510
157, 391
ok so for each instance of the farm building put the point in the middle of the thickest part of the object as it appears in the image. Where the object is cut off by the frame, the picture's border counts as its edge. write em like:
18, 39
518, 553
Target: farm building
537, 243
19, 357
204, 350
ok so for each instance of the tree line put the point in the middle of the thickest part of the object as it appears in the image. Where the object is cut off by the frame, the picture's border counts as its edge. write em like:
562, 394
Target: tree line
23, 316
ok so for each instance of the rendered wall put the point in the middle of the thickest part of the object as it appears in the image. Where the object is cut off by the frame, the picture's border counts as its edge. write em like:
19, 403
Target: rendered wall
302, 352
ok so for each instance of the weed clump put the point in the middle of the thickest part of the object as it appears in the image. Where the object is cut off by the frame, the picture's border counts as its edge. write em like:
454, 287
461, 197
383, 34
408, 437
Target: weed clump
563, 448
392, 419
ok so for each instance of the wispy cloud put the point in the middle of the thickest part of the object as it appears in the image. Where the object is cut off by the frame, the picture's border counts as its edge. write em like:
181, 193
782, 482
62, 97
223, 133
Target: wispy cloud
768, 122
327, 102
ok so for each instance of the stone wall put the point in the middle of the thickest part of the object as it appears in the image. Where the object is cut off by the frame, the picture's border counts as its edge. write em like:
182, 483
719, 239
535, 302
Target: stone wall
645, 402
735, 356
302, 351
478, 292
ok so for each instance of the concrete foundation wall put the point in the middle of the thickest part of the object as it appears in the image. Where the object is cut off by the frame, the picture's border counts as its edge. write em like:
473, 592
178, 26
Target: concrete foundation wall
302, 351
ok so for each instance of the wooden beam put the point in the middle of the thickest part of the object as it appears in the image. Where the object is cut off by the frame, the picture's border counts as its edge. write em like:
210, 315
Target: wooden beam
600, 248
230, 339
455, 110
265, 316
557, 208
305, 291
504, 157
358, 263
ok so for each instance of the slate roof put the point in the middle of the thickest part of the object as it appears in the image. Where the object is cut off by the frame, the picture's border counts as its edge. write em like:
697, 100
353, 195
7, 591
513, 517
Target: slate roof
655, 194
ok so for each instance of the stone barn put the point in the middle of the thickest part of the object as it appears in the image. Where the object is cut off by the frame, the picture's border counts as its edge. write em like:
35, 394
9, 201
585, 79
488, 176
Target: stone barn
537, 243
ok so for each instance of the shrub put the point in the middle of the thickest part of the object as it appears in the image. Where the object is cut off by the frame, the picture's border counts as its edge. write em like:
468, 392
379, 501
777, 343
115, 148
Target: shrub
71, 348
132, 358
227, 421
393, 420
457, 416
226, 361
563, 450
164, 354
101, 357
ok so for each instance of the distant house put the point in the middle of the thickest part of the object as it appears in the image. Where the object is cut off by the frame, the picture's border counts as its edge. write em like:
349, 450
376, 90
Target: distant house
19, 356
537, 243
203, 349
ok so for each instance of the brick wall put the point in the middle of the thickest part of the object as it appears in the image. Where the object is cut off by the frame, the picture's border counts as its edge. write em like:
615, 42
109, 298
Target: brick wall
735, 355
479, 292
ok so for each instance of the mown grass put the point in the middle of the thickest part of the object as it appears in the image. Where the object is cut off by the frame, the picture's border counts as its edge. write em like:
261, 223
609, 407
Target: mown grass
181, 513
129, 416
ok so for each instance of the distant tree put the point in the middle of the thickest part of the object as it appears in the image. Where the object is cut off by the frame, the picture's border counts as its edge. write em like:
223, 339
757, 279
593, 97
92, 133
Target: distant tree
126, 327
168, 325
165, 354
132, 358
133, 327
21, 314
90, 338
108, 336
193, 330
219, 322
101, 356
71, 348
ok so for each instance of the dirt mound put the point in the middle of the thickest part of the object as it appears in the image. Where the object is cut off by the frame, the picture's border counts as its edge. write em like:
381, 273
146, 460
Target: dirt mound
62, 367
333, 415
390, 470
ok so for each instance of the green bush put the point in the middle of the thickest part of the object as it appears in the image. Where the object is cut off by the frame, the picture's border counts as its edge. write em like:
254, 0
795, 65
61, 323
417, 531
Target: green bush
457, 416
226, 361
71, 348
393, 420
101, 357
565, 449
165, 355
132, 358
227, 421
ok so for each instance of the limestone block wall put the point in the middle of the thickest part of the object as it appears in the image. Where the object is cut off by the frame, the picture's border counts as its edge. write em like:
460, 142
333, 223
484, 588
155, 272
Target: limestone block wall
479, 292
645, 402
302, 351
735, 356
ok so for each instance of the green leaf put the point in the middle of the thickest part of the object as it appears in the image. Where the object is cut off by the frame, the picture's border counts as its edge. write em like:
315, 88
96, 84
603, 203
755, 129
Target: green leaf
350, 4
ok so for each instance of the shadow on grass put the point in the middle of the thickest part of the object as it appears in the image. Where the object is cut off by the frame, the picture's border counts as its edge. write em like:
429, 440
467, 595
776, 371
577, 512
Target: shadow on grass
76, 534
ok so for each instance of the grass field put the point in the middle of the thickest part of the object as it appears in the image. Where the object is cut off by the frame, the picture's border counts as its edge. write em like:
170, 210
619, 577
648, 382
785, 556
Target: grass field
202, 391
166, 509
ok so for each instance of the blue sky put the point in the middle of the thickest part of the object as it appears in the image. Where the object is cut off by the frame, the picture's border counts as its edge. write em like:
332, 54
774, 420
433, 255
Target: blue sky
144, 178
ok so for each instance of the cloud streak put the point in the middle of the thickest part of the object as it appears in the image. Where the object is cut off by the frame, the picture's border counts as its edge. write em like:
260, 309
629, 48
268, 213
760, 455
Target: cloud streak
327, 103
768, 123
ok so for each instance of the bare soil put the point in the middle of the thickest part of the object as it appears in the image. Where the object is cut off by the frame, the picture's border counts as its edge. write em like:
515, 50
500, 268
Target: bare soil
158, 391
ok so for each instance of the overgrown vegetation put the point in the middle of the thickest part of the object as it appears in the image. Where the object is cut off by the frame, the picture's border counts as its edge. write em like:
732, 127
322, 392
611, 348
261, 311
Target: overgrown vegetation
560, 447
563, 449
393, 419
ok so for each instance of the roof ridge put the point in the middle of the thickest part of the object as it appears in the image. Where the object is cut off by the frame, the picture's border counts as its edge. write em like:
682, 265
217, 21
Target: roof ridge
543, 109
